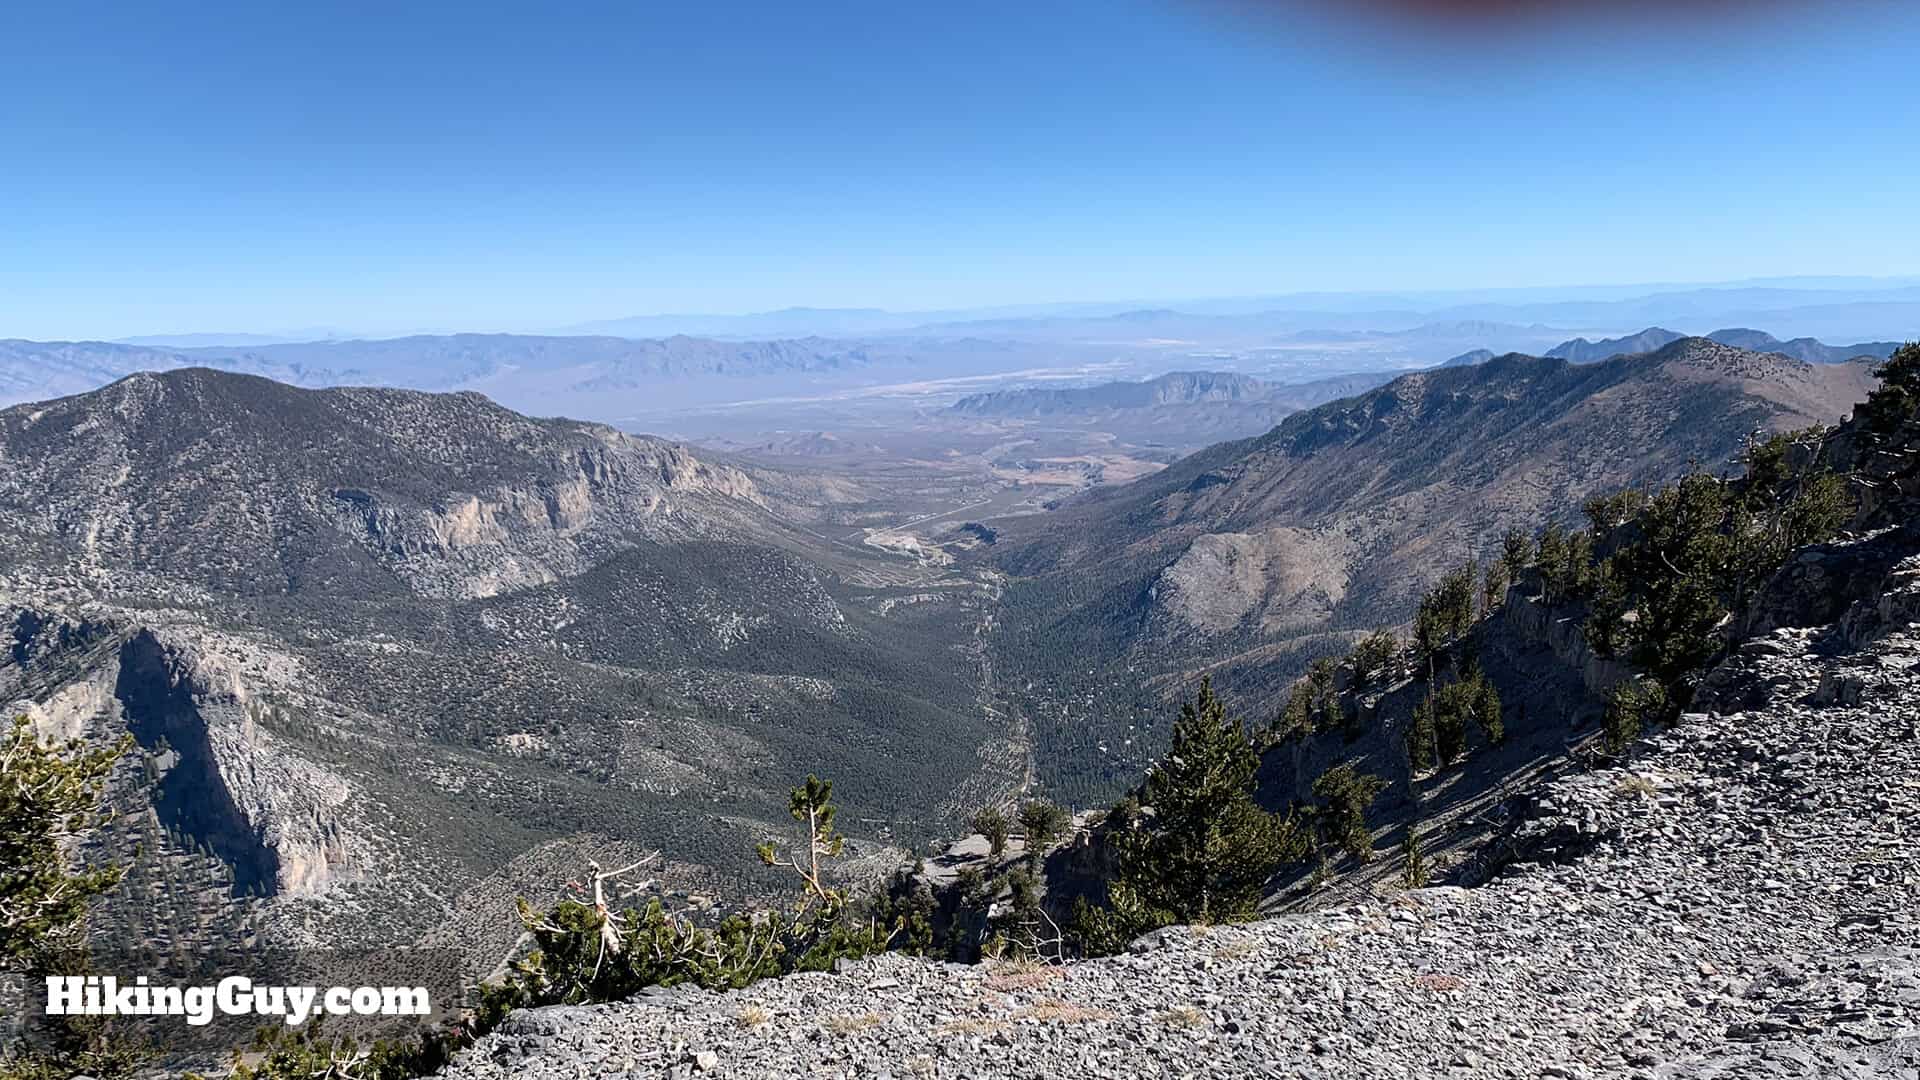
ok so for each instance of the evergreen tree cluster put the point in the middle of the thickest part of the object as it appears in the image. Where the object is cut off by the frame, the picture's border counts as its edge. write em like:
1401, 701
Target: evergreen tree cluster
598, 949
1689, 556
1340, 819
1896, 401
1313, 705
1445, 613
49, 795
1437, 736
1194, 847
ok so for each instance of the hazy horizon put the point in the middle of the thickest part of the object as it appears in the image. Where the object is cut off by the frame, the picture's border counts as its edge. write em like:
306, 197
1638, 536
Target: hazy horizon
236, 169
1435, 300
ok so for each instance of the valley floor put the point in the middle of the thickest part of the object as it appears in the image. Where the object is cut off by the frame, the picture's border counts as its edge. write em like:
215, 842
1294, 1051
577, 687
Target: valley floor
1741, 900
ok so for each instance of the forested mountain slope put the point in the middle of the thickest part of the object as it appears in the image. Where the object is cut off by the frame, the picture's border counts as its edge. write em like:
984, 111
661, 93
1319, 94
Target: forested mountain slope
1246, 560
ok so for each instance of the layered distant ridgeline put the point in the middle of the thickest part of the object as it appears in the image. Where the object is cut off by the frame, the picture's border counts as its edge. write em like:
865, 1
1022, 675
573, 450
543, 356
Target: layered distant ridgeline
1582, 351
31, 370
1186, 408
1249, 558
383, 650
600, 378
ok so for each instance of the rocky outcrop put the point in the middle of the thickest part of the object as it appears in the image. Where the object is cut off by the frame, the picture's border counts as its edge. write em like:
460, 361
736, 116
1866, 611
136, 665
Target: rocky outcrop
215, 779
1526, 616
224, 783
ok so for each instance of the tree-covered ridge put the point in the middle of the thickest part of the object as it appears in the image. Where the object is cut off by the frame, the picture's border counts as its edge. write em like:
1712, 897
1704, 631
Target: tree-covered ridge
1660, 582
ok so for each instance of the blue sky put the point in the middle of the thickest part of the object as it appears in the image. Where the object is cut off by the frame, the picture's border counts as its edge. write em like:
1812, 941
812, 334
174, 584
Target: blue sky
266, 167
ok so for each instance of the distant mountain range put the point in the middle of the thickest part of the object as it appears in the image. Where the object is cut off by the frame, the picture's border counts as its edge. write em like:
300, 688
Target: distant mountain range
1582, 351
1174, 388
1827, 307
1186, 409
594, 377
814, 354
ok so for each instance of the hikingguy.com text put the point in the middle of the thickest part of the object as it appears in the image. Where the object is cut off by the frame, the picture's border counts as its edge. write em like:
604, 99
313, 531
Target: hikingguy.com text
235, 995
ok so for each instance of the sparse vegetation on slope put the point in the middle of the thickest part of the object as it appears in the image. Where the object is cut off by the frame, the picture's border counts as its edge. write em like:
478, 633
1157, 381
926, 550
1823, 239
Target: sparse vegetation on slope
50, 796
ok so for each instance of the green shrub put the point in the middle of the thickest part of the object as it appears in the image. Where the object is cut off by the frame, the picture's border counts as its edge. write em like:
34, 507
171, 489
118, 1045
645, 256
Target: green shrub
1345, 795
1897, 399
1632, 708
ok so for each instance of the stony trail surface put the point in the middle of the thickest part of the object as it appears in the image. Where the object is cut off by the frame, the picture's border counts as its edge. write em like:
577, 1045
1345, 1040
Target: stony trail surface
1738, 900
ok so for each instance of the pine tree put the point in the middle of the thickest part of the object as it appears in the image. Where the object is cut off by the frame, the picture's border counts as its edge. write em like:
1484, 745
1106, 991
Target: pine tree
1043, 823
1631, 709
1516, 552
1486, 712
1345, 795
1675, 574
1323, 710
50, 794
1209, 848
1421, 737
1493, 587
1297, 718
1552, 560
1413, 859
1445, 613
1606, 513
1452, 709
993, 825
47, 793
1897, 399
1372, 659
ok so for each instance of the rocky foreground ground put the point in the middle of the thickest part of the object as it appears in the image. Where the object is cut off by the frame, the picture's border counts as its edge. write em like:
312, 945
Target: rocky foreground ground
1738, 901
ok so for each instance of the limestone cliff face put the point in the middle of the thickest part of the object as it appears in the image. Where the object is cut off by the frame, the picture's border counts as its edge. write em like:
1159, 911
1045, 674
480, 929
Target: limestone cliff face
466, 546
1527, 617
275, 817
214, 777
